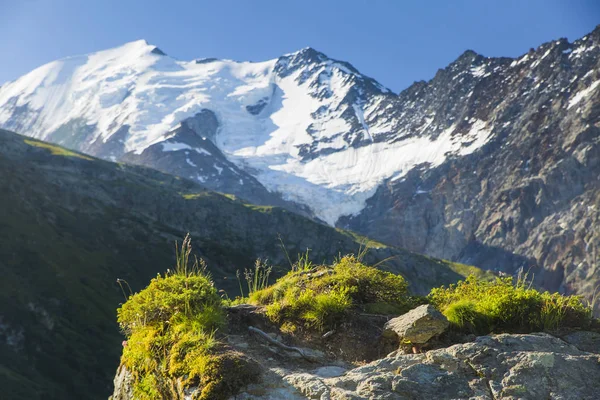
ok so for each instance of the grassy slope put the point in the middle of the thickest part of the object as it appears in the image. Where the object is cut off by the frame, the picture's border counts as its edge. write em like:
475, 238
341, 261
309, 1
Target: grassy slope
70, 225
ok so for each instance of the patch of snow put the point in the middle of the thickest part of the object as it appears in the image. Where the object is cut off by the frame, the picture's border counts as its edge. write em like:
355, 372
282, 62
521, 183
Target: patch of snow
13, 336
478, 71
520, 61
219, 169
546, 54
582, 94
580, 50
190, 162
202, 151
176, 146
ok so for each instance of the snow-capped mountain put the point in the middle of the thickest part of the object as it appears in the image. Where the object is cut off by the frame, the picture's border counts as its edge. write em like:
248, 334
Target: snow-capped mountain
303, 125
493, 162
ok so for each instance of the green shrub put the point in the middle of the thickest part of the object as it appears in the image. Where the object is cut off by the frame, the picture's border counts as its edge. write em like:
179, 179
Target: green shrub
503, 305
320, 297
171, 296
171, 330
464, 314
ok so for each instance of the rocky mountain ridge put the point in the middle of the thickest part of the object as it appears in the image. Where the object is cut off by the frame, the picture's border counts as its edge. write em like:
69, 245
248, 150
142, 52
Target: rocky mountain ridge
529, 199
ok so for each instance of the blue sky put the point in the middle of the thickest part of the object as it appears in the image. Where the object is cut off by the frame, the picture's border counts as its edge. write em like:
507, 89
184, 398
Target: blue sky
394, 41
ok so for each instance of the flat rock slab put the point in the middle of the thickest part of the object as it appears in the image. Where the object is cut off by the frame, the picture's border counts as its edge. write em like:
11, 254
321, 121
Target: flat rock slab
417, 326
532, 366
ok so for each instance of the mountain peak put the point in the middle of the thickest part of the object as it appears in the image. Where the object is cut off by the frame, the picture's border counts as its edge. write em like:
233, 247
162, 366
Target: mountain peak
308, 54
467, 57
137, 46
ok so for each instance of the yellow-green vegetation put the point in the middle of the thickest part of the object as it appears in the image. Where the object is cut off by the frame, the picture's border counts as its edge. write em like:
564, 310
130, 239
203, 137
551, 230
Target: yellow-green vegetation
259, 208
256, 279
56, 150
171, 328
319, 297
467, 270
229, 196
363, 240
191, 196
507, 305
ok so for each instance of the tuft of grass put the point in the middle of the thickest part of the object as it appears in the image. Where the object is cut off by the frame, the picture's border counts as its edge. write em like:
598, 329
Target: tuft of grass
57, 150
507, 305
256, 279
171, 329
320, 297
463, 313
229, 196
182, 261
303, 261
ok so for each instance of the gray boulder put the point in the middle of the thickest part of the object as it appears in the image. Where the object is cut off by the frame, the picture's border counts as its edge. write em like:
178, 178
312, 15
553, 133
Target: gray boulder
416, 326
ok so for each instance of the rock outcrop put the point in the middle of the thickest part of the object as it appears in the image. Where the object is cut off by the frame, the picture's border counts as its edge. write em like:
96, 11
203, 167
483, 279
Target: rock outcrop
530, 366
533, 366
505, 366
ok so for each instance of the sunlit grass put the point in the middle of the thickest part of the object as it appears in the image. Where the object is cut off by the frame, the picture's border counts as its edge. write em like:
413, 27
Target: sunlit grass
56, 150
318, 297
507, 305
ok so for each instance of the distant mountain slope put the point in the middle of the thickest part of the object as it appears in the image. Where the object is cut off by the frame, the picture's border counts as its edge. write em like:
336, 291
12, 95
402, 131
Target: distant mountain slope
70, 225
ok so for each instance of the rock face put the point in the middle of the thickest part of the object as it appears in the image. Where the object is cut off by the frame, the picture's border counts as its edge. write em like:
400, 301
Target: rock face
534, 366
123, 385
530, 198
417, 326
